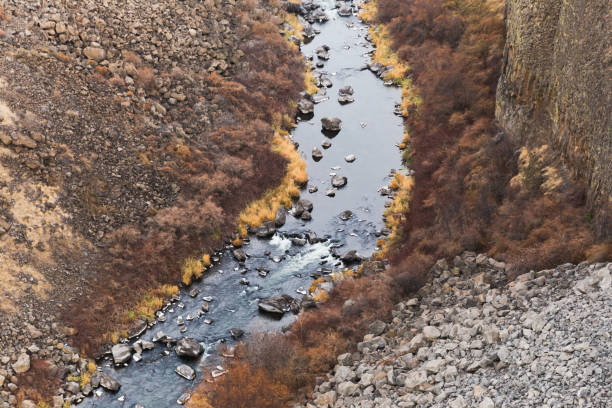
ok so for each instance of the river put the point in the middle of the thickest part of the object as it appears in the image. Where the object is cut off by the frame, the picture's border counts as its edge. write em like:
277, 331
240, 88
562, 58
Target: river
370, 131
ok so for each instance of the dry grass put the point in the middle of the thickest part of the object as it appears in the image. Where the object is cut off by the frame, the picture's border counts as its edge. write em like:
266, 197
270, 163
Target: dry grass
265, 208
192, 269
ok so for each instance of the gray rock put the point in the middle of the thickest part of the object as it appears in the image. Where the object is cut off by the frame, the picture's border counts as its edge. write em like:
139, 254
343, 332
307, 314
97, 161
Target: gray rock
331, 124
239, 255
316, 154
188, 348
281, 217
236, 333
109, 383
186, 372
338, 181
22, 365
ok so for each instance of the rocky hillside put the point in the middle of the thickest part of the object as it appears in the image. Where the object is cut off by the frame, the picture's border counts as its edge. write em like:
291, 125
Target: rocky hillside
556, 88
469, 339
126, 130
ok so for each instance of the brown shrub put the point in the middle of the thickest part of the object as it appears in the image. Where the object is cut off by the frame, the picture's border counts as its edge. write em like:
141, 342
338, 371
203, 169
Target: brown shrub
209, 167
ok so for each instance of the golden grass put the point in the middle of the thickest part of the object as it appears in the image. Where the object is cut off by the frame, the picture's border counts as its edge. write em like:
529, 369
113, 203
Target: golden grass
237, 242
192, 268
265, 208
146, 307
320, 296
206, 260
310, 81
394, 214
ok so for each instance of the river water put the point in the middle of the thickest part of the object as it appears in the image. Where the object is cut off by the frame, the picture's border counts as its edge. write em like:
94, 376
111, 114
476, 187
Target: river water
370, 131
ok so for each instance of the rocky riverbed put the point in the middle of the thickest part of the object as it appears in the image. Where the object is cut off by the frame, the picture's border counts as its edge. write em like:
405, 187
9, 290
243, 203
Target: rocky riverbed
471, 339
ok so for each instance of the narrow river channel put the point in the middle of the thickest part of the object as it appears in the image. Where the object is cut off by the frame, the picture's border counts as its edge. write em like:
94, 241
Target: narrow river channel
370, 132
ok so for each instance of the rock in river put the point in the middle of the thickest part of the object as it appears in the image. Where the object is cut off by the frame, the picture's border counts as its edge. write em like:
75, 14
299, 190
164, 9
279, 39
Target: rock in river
316, 154
351, 257
279, 305
266, 230
185, 371
122, 353
345, 215
188, 348
338, 181
109, 383
236, 333
306, 105
345, 94
350, 158
322, 52
239, 255
281, 217
345, 11
331, 124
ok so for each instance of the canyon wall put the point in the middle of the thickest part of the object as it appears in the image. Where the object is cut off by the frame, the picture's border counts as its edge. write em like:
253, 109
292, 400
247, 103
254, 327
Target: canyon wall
556, 89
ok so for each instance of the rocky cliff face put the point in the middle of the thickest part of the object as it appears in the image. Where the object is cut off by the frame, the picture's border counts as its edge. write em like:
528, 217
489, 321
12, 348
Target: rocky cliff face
556, 90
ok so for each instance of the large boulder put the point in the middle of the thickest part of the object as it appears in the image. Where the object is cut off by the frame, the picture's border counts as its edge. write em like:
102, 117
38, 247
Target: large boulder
339, 181
236, 333
188, 348
122, 353
306, 106
109, 383
266, 230
281, 217
345, 94
345, 11
279, 305
351, 257
322, 52
331, 124
239, 255
186, 372
22, 364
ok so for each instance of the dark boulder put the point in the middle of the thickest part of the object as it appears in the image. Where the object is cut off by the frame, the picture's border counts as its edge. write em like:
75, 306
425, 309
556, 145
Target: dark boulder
188, 348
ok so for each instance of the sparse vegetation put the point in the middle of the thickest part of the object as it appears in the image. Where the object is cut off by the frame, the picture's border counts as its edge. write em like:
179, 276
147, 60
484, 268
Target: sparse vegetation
252, 154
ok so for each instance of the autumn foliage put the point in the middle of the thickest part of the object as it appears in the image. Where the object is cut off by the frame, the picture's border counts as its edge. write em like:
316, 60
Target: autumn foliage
472, 191
216, 171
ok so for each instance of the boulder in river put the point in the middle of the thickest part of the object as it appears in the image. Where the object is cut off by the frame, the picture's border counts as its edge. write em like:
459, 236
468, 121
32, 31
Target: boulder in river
350, 158
281, 217
188, 348
239, 255
266, 230
331, 124
345, 11
306, 216
322, 52
345, 94
279, 305
345, 215
109, 383
326, 144
186, 372
325, 82
319, 16
205, 306
236, 333
316, 154
351, 257
306, 106
338, 181
122, 353
331, 192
